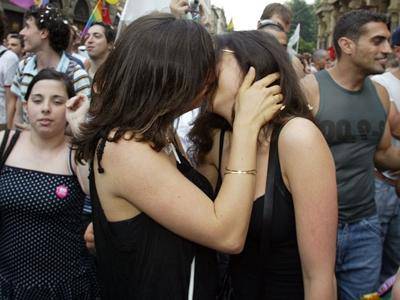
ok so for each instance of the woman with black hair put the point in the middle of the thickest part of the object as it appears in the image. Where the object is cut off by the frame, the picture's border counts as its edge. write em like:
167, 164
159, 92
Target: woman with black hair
152, 210
42, 190
290, 247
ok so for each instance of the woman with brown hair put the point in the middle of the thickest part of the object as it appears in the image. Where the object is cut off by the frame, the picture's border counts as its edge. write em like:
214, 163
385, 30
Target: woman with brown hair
152, 210
290, 247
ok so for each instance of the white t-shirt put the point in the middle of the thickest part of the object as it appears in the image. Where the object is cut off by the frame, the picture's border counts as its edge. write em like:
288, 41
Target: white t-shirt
8, 67
392, 84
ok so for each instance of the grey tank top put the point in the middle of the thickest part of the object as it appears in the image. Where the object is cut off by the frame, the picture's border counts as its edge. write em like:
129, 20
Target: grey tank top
353, 124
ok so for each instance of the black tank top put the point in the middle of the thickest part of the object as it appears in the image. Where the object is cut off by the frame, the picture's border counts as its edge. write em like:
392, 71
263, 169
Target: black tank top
140, 259
277, 273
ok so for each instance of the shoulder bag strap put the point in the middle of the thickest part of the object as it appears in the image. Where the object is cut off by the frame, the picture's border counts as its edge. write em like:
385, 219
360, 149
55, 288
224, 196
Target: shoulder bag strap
9, 148
4, 142
268, 204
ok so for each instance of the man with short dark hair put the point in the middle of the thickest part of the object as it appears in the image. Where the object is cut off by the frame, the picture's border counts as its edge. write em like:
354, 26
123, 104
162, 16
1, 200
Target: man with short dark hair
15, 43
99, 43
352, 112
386, 199
46, 35
279, 13
274, 29
282, 16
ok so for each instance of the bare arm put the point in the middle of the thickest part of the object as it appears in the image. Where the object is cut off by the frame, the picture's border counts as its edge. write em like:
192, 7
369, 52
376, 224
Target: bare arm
396, 287
298, 67
394, 121
308, 166
11, 103
310, 89
150, 182
82, 173
386, 156
18, 122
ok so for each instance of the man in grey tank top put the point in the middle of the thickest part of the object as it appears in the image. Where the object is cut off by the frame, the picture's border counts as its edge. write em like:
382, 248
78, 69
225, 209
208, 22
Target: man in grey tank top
352, 113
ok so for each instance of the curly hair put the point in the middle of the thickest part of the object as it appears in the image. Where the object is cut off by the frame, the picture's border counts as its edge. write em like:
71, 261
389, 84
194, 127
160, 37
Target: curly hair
50, 18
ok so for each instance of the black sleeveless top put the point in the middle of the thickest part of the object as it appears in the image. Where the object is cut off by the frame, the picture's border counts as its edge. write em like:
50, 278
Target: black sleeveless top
140, 259
42, 253
277, 273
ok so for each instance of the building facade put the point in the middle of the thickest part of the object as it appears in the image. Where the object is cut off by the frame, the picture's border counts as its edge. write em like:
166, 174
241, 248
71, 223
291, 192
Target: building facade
217, 20
328, 11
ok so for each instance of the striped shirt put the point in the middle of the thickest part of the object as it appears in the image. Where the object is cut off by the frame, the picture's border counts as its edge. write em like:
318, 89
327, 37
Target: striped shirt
27, 69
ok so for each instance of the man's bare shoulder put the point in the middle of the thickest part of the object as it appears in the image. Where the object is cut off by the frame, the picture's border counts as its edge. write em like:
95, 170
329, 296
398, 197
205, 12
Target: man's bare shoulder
310, 89
383, 95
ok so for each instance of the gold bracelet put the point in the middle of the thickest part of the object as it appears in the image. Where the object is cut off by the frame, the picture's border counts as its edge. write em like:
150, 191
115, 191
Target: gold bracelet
230, 171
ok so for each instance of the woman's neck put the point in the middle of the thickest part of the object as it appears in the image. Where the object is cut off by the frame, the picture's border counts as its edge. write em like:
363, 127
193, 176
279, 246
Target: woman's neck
46, 143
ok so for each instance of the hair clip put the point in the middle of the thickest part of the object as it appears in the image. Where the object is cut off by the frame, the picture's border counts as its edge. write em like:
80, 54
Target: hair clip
228, 51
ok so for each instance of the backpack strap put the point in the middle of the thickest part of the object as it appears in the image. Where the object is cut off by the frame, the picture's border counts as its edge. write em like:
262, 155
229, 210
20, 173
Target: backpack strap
268, 203
7, 151
2, 52
4, 142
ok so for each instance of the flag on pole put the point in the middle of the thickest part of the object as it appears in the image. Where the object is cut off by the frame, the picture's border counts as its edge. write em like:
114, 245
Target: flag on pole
134, 9
100, 13
294, 39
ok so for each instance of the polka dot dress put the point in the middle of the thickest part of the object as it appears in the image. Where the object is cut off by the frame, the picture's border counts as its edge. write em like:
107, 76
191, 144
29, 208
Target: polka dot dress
42, 252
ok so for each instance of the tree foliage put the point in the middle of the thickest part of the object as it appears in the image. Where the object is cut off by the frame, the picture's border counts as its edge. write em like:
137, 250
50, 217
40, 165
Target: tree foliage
304, 14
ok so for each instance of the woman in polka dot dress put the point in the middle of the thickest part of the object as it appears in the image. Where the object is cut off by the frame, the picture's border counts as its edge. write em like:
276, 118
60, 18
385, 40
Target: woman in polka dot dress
42, 251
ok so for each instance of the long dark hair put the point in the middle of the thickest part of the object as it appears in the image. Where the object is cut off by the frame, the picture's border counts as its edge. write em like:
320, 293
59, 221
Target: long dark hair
158, 67
262, 51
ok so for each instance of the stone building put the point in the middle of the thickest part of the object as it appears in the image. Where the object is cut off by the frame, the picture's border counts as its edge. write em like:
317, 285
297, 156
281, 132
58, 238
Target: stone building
217, 20
328, 11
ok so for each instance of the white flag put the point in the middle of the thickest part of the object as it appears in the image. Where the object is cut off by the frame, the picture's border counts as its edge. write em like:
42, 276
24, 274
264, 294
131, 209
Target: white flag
294, 39
134, 9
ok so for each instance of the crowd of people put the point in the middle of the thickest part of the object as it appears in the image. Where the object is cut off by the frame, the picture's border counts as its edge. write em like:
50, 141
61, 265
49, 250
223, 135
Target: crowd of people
169, 164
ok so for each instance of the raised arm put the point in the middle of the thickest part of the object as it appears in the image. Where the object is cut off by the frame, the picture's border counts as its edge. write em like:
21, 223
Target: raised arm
11, 104
309, 171
152, 184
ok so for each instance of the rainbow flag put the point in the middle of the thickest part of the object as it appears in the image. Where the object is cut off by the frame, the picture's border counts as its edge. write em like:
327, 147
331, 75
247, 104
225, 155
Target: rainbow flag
99, 14
41, 3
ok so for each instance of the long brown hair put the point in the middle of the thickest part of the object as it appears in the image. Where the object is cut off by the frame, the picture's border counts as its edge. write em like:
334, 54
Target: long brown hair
262, 51
158, 67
